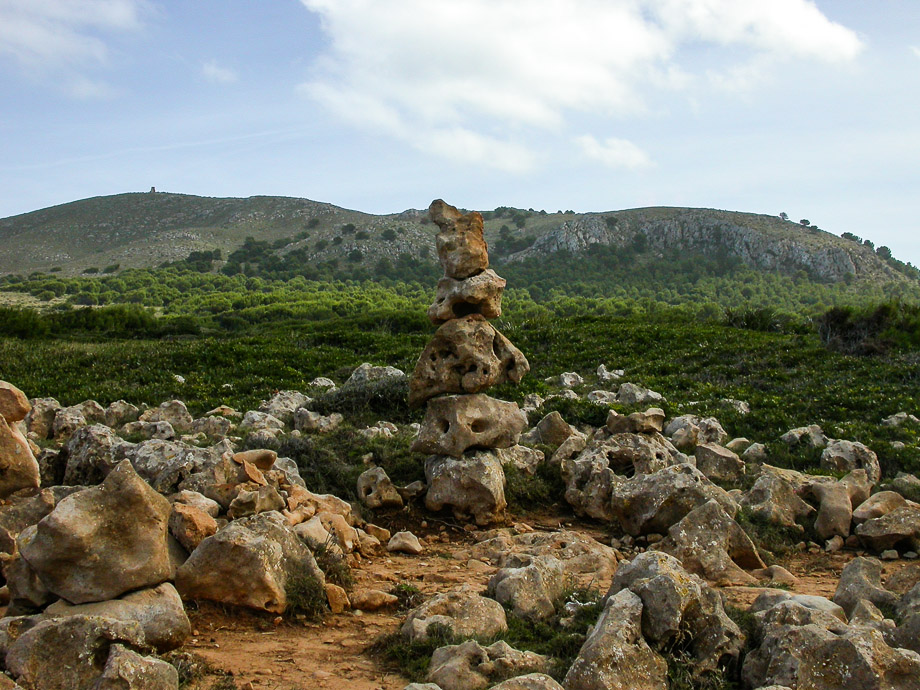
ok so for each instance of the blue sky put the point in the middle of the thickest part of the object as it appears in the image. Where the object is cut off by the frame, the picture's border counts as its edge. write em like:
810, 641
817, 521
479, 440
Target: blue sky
812, 108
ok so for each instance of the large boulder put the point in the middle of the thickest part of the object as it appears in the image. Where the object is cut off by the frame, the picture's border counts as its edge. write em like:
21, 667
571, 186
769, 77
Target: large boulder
465, 355
898, 529
463, 612
712, 545
67, 653
878, 505
18, 466
19, 512
478, 294
470, 666
835, 511
531, 590
861, 579
616, 656
678, 604
102, 542
14, 405
472, 486
125, 669
718, 463
454, 424
158, 611
773, 499
860, 658
248, 563
846, 456
91, 454
652, 503
781, 653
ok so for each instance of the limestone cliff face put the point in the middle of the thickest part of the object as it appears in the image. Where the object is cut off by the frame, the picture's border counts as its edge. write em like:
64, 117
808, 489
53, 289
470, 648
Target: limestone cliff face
759, 241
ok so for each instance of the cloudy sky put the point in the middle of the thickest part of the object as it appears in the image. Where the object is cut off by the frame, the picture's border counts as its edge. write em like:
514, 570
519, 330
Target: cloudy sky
808, 107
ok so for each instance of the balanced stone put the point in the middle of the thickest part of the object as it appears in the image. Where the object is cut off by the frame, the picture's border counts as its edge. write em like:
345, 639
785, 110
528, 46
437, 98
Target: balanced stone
465, 356
462, 248
478, 294
456, 423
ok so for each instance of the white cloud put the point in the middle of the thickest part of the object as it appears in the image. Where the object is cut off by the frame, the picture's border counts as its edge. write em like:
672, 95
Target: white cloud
614, 153
509, 71
60, 33
213, 72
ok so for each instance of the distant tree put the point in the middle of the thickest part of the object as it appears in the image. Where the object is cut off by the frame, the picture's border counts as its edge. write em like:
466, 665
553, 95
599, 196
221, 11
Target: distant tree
869, 243
389, 234
805, 222
321, 245
883, 252
784, 215
111, 268
611, 222
348, 228
91, 270
362, 235
355, 255
312, 223
337, 239
850, 236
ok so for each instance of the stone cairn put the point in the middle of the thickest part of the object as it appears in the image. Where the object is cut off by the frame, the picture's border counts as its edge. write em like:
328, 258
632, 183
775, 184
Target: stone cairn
467, 355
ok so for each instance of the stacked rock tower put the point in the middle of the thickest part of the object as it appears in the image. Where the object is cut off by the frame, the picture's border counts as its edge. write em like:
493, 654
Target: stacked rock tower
463, 427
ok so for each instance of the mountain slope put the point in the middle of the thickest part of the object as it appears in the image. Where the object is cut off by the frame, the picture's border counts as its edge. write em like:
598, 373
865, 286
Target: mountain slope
142, 230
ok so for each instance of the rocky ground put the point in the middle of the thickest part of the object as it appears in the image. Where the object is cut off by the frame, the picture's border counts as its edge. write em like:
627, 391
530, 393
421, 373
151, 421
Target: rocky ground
648, 508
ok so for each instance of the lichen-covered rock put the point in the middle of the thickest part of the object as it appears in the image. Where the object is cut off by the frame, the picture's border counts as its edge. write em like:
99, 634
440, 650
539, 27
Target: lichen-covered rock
40, 420
647, 422
552, 430
712, 545
68, 653
652, 503
463, 611
121, 412
861, 579
283, 404
778, 658
616, 656
530, 590
173, 411
774, 500
103, 541
529, 681
898, 529
261, 499
835, 511
314, 422
66, 421
845, 456
248, 563
19, 512
465, 355
478, 294
878, 505
462, 249
91, 455
472, 486
632, 394
127, 670
454, 424
158, 611
718, 463
812, 436
470, 666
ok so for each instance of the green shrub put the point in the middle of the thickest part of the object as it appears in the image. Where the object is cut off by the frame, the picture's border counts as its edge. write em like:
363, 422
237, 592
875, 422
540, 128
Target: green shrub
306, 597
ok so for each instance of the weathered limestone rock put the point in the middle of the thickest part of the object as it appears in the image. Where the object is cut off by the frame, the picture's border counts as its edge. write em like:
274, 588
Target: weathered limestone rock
127, 670
190, 525
530, 590
710, 544
462, 249
769, 598
158, 611
465, 356
616, 656
162, 431
263, 459
878, 505
68, 653
121, 412
28, 594
91, 455
314, 422
845, 456
19, 512
405, 542
463, 611
552, 430
774, 500
525, 459
67, 420
18, 466
40, 419
632, 394
718, 463
101, 542
590, 483
811, 435
371, 599
260, 421
173, 411
470, 666
478, 294
14, 405
283, 404
248, 563
756, 452
778, 658
259, 500
676, 603
898, 529
861, 579
214, 427
651, 503
377, 491
367, 373
530, 681
647, 422
456, 423
472, 486
835, 511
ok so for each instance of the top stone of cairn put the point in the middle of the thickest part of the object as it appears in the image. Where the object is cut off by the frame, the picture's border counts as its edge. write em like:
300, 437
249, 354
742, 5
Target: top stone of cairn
462, 249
